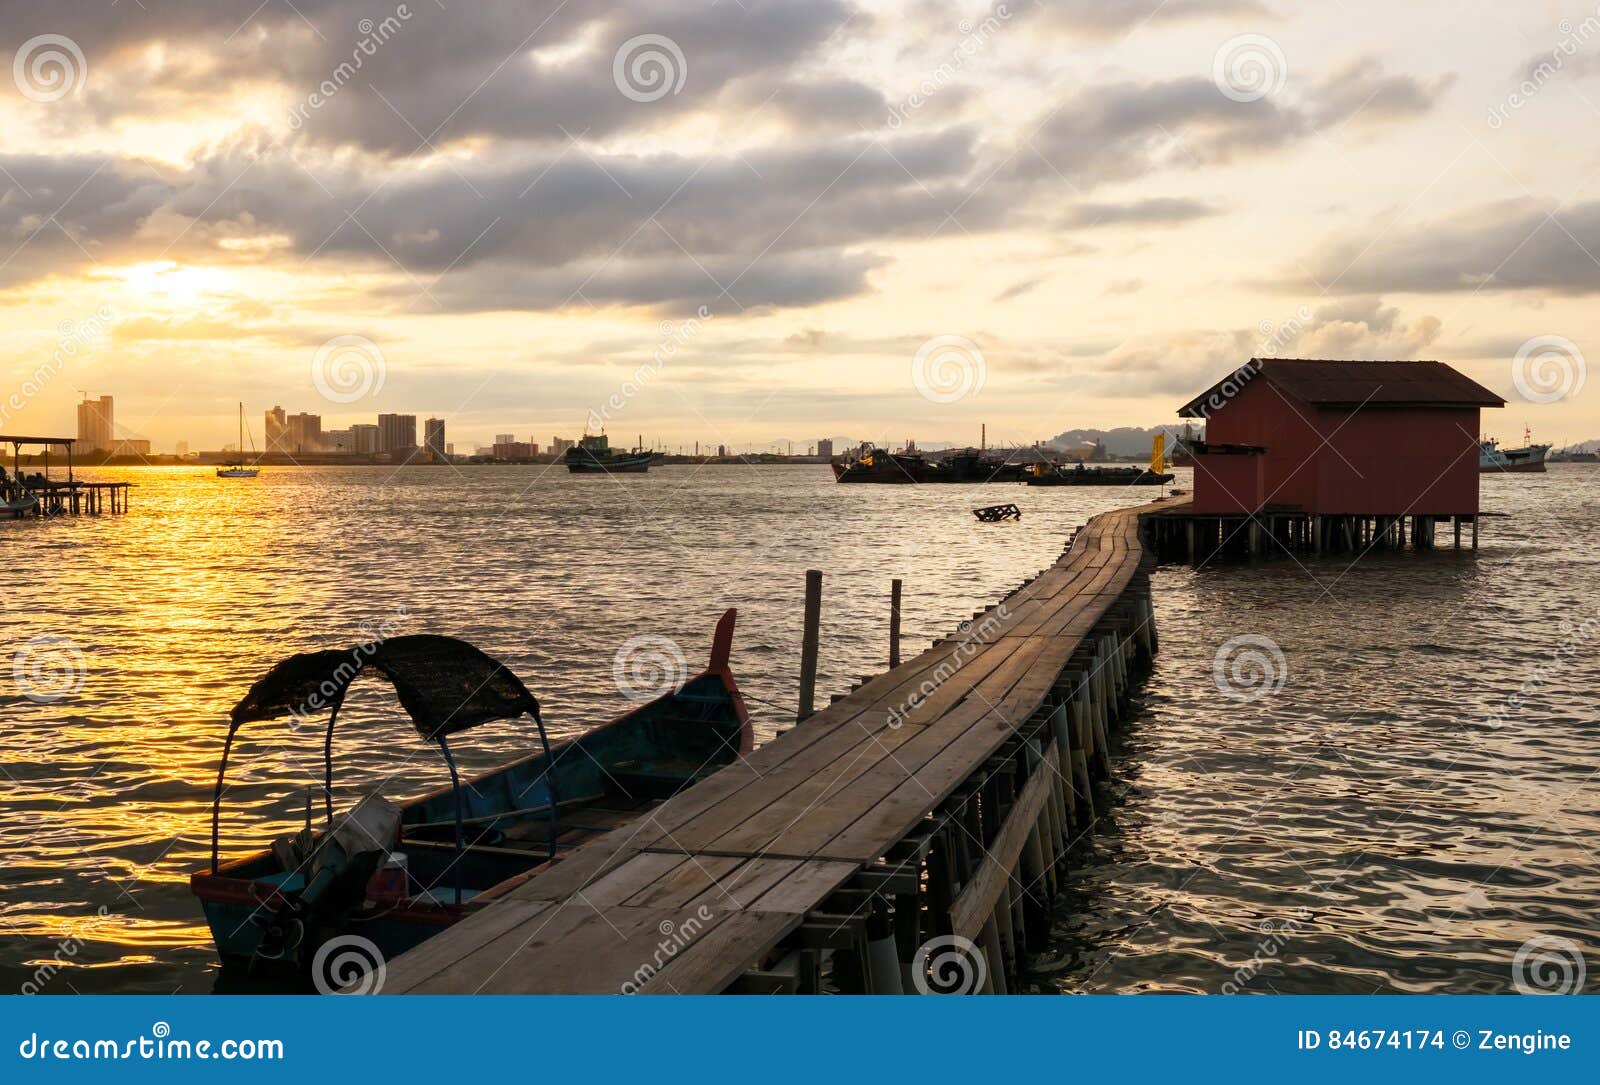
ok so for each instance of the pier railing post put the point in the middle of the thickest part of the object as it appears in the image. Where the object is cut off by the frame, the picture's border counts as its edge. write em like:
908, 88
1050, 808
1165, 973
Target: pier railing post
808, 645
894, 624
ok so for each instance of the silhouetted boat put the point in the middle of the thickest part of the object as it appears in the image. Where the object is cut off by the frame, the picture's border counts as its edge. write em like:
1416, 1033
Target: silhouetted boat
236, 468
594, 455
877, 465
396, 875
1046, 475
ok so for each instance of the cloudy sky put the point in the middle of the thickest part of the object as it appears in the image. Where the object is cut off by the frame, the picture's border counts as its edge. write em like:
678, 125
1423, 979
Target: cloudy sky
743, 220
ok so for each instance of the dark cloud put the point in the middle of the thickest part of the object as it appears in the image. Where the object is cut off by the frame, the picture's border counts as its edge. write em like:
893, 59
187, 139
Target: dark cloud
1107, 17
1363, 92
405, 72
1513, 245
1162, 210
70, 211
724, 285
1121, 131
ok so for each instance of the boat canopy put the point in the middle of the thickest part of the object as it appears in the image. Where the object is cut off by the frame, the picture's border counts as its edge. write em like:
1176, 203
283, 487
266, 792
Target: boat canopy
445, 685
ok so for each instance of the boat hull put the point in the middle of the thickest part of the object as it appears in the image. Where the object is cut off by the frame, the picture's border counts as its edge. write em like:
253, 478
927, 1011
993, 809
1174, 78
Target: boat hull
1493, 460
1100, 477
891, 470
621, 465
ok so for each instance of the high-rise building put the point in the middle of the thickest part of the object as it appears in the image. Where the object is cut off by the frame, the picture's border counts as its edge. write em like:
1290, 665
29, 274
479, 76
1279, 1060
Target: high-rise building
559, 445
825, 448
364, 438
276, 430
397, 433
183, 448
96, 424
505, 438
433, 437
338, 440
304, 433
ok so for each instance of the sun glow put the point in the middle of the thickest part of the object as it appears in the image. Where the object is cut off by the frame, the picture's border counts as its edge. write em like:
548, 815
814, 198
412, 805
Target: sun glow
167, 282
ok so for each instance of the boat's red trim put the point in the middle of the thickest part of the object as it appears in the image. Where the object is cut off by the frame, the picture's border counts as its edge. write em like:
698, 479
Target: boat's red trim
225, 890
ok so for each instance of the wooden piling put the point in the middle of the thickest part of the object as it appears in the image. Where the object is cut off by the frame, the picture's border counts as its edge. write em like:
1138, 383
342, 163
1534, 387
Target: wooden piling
894, 624
808, 645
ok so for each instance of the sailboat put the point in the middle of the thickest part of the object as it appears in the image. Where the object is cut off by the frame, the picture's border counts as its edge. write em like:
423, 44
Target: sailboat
238, 469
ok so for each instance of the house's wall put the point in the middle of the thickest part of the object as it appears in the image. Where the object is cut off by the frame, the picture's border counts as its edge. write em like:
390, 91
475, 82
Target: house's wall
1377, 460
1392, 461
1261, 415
1228, 485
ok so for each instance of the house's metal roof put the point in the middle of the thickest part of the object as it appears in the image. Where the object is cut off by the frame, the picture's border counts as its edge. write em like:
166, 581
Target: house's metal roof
1328, 382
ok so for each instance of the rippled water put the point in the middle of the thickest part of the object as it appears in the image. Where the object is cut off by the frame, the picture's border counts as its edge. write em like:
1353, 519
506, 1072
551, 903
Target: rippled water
1387, 820
178, 606
1416, 803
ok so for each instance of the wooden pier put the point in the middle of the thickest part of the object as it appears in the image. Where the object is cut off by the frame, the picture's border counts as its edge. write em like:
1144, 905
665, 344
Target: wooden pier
23, 495
930, 810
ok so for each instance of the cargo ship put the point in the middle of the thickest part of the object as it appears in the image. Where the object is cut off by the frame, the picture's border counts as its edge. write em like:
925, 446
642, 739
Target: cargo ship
1492, 459
594, 455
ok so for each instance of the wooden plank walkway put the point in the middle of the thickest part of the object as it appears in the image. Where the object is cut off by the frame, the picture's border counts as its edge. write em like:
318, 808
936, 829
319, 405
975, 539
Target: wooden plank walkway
858, 806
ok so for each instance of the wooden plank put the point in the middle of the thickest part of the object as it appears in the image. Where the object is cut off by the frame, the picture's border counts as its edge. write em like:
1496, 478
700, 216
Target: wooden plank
718, 957
977, 898
806, 888
747, 884
688, 881
639, 872
410, 970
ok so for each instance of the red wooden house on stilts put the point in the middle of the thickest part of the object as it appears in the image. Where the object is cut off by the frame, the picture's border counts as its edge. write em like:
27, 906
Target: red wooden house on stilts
1341, 451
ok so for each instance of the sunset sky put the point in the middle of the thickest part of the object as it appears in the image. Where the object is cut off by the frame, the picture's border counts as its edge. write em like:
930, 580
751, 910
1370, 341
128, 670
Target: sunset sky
498, 212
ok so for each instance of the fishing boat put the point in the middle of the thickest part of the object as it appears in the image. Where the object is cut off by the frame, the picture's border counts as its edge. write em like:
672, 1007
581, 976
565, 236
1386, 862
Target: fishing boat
1492, 459
593, 454
396, 874
236, 468
26, 505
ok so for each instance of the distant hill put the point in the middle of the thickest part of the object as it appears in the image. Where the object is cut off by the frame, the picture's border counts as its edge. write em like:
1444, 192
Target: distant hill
1122, 441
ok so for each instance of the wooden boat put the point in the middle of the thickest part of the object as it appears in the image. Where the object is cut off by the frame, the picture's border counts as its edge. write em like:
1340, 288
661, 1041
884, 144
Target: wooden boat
395, 875
23, 506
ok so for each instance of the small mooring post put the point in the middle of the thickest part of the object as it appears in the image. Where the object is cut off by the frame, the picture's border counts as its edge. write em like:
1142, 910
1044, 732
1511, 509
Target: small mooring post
808, 645
894, 624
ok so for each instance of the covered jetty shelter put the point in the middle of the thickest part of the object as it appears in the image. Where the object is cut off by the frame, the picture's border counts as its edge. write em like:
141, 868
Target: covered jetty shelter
38, 494
1335, 455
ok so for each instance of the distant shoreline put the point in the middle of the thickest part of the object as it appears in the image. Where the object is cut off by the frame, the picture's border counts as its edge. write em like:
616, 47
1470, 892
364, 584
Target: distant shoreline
367, 461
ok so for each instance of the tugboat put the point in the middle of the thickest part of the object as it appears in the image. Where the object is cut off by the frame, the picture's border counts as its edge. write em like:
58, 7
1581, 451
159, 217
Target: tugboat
594, 455
1492, 459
